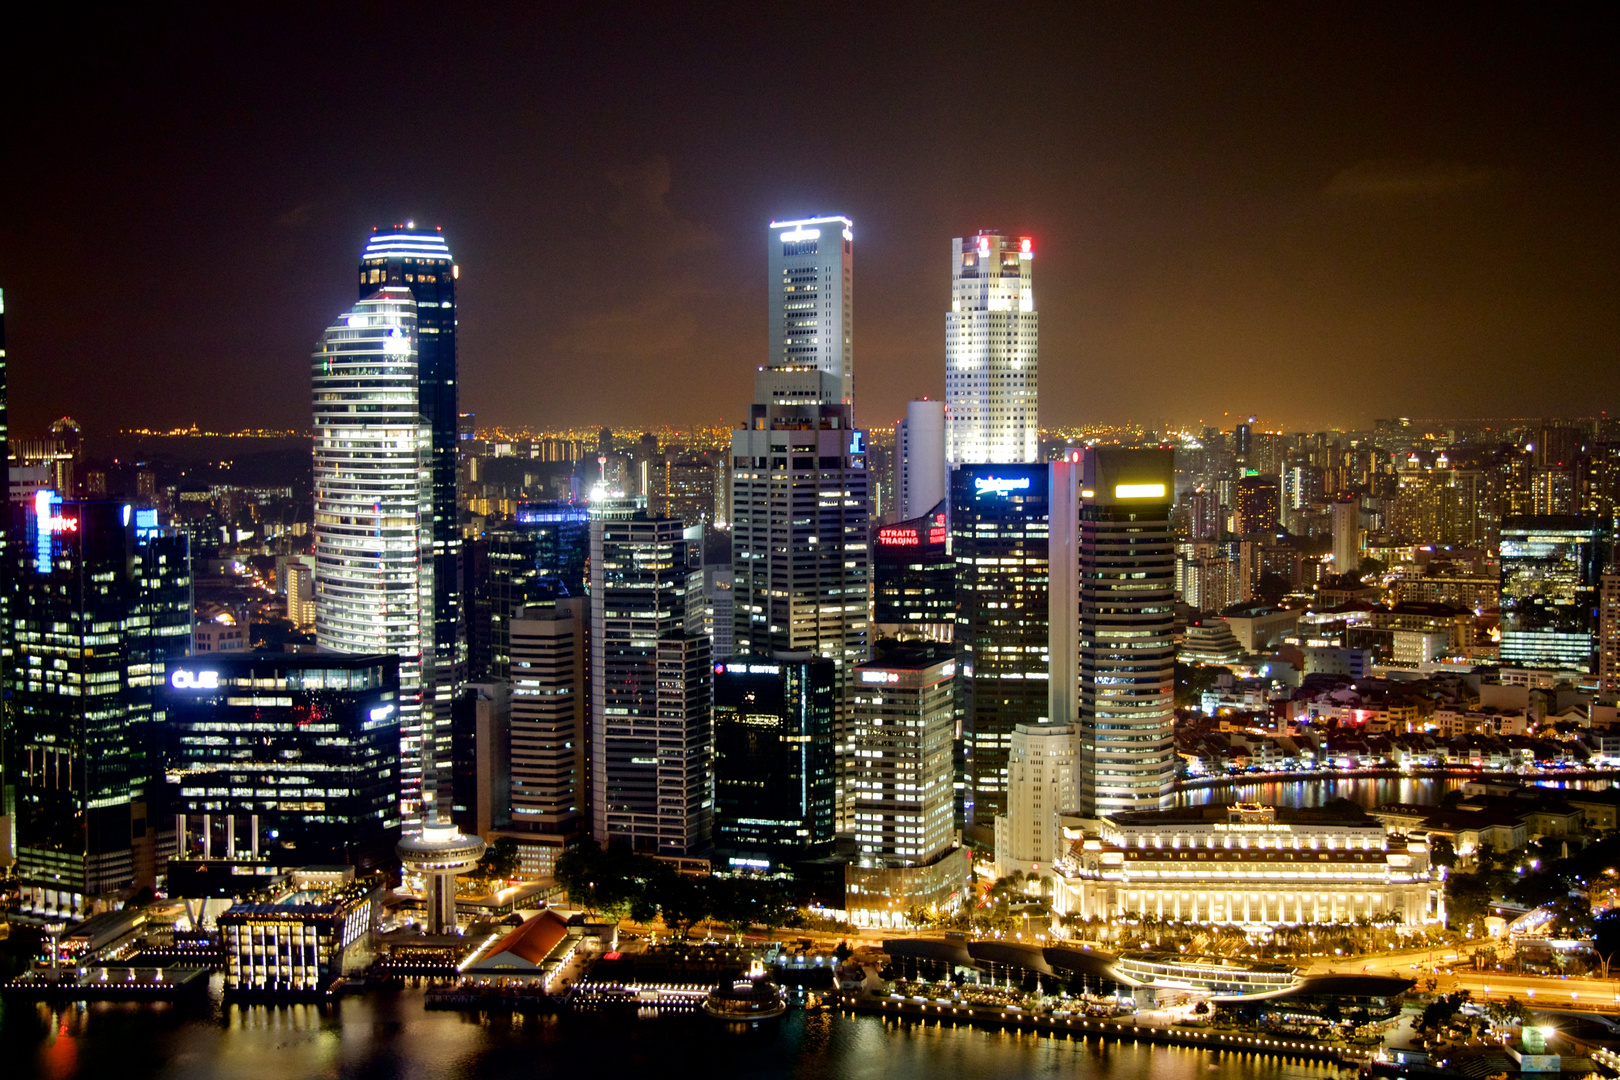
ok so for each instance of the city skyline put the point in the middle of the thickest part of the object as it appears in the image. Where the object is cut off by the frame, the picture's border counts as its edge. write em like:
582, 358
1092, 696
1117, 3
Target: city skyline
1212, 197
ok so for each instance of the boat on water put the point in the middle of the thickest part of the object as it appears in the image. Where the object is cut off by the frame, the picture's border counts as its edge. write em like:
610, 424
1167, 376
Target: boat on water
746, 1000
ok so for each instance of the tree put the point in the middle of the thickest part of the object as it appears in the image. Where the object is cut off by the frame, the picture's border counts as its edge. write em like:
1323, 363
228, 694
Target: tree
684, 900
1442, 852
1606, 938
500, 861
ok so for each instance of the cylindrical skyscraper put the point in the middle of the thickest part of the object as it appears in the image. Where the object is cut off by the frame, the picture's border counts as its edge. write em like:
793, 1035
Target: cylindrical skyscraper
419, 261
991, 370
920, 447
373, 514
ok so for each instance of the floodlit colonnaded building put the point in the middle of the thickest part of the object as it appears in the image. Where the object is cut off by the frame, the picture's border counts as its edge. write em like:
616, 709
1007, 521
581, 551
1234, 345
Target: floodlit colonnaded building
1250, 865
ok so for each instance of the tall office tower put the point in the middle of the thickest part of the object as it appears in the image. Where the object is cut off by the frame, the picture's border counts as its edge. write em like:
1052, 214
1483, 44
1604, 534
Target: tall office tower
1609, 634
1550, 571
301, 596
1041, 784
1126, 629
481, 756
903, 816
719, 616
550, 649
1347, 535
5, 593
923, 476
689, 489
773, 759
999, 524
991, 370
247, 735
914, 578
811, 267
1259, 504
1205, 514
100, 612
373, 511
419, 261
536, 558
652, 751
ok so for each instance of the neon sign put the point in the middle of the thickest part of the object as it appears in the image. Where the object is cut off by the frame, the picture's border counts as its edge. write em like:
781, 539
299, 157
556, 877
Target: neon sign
194, 680
1000, 485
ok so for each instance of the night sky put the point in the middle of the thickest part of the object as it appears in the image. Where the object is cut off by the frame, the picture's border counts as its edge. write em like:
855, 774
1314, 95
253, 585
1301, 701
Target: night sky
1319, 214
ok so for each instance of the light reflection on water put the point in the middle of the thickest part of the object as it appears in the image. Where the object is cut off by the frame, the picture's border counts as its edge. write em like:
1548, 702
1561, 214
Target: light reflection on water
391, 1037
1368, 791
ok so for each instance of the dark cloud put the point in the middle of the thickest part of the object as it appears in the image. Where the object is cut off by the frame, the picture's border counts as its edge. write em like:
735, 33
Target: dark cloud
1409, 180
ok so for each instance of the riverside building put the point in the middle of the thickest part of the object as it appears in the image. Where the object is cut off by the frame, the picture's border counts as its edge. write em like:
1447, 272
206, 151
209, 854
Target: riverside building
906, 849
773, 768
101, 611
1248, 865
286, 757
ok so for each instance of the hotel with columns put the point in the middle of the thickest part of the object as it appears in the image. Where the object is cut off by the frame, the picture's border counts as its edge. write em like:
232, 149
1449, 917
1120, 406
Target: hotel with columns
1248, 865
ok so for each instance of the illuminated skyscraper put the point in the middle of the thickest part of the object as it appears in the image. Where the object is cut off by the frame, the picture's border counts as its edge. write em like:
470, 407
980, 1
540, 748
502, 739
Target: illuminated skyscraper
800, 491
991, 369
811, 266
998, 523
373, 513
652, 721
1126, 632
101, 609
419, 260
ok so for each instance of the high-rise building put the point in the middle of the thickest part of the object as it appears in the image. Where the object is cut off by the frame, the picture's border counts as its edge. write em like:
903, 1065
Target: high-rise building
373, 510
419, 261
301, 595
652, 750
1126, 629
905, 838
547, 760
285, 757
991, 369
481, 747
811, 267
1549, 600
999, 538
800, 549
921, 472
536, 558
773, 759
914, 578
101, 609
1347, 535
1608, 651
1041, 775
1259, 504
904, 719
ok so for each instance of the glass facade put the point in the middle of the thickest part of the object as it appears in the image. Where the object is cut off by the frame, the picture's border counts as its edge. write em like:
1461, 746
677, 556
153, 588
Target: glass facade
302, 750
419, 261
101, 609
914, 578
773, 767
1550, 573
537, 558
373, 546
999, 526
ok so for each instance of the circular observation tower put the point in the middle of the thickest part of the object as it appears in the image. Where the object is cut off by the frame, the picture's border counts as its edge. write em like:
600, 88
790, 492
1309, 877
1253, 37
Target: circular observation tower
439, 854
